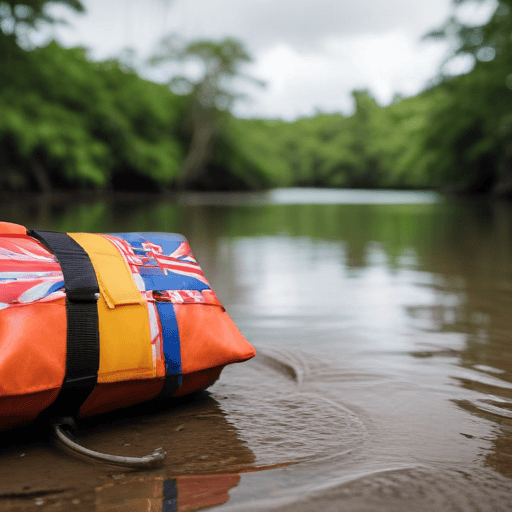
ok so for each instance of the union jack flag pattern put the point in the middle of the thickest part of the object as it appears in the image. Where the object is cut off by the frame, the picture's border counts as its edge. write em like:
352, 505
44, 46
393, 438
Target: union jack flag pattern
28, 276
166, 273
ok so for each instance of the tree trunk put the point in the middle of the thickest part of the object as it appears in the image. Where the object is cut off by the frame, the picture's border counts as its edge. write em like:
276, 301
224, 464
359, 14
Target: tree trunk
504, 185
40, 176
199, 153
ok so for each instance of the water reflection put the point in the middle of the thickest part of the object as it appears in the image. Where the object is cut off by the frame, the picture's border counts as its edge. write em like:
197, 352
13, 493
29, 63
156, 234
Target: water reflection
160, 494
392, 318
472, 265
204, 457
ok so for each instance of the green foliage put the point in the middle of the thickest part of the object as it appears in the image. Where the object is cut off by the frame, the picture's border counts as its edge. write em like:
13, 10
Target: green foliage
246, 152
375, 147
68, 122
455, 136
19, 18
469, 136
211, 97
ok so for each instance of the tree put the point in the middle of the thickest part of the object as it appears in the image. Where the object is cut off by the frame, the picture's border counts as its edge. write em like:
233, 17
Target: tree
471, 130
211, 95
18, 18
483, 41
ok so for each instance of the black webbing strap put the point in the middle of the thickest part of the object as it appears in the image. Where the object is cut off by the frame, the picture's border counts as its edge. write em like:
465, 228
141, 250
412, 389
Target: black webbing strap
82, 293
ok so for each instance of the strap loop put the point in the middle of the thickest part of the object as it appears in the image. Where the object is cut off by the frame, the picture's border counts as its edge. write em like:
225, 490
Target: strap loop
60, 433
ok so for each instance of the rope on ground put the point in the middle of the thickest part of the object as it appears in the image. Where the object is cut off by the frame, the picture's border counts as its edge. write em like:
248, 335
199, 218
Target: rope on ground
148, 461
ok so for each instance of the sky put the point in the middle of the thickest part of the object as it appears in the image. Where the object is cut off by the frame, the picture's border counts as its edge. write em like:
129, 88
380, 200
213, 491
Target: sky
310, 53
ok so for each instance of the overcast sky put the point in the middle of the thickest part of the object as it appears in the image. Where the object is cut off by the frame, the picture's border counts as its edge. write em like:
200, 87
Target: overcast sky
310, 53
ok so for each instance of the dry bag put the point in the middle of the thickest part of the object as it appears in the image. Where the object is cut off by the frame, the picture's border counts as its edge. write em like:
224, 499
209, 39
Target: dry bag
94, 322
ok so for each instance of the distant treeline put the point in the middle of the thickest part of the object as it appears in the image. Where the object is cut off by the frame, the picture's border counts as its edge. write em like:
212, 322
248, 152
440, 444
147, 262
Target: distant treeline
69, 123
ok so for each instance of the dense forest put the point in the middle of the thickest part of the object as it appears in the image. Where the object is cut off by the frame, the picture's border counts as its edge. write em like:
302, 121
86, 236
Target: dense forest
69, 123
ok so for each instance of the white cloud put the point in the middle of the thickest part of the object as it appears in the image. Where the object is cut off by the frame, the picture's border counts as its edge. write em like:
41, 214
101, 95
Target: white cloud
299, 83
310, 53
304, 24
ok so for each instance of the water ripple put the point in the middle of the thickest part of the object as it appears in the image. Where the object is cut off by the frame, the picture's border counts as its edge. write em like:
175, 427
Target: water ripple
281, 422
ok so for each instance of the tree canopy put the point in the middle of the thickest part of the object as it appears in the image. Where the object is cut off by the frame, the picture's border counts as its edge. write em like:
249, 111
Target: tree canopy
470, 130
211, 96
70, 123
19, 18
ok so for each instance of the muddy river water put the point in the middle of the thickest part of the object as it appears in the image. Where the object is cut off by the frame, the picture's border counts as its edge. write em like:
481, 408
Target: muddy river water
383, 380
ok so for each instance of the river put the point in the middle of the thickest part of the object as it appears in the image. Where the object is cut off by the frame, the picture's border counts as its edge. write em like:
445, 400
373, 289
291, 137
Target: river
383, 380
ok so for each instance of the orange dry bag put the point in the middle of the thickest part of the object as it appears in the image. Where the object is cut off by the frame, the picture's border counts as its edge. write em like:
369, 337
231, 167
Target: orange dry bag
91, 322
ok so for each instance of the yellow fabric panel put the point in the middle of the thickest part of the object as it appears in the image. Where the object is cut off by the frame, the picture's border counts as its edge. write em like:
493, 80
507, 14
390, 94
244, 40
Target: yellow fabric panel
125, 341
114, 277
